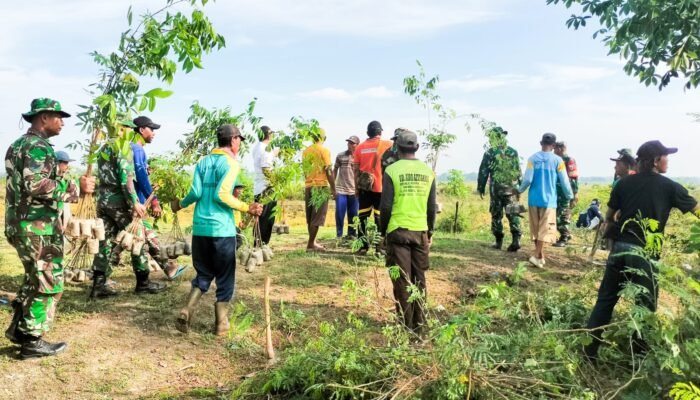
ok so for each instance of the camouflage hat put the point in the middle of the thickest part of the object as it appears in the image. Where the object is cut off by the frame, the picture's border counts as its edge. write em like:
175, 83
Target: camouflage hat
406, 139
624, 155
43, 104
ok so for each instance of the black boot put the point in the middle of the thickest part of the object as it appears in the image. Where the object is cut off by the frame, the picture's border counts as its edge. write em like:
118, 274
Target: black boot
515, 246
100, 289
12, 334
561, 242
35, 347
499, 243
146, 286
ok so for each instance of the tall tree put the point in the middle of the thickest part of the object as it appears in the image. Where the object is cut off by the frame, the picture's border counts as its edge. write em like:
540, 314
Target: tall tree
660, 40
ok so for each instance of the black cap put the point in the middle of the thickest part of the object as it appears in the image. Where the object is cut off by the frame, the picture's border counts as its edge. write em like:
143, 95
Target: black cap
653, 149
229, 130
145, 122
239, 185
374, 128
549, 139
624, 155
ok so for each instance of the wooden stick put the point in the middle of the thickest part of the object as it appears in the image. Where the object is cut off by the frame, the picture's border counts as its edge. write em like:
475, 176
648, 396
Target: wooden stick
595, 242
269, 349
454, 224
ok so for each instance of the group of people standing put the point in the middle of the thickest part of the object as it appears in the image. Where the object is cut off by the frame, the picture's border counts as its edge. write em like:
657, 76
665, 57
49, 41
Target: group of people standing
375, 178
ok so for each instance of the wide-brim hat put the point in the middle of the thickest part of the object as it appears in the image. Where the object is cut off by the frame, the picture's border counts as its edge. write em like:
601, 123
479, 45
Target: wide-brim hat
44, 104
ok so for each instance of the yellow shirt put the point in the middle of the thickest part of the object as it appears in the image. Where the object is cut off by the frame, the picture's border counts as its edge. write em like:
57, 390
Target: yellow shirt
315, 159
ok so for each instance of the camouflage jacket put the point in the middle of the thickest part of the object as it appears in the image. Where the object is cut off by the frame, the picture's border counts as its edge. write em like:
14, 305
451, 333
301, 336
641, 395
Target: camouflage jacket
389, 157
572, 173
499, 165
116, 180
34, 190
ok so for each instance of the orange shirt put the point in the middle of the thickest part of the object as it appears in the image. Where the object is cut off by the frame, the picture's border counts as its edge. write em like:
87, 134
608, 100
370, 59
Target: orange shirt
315, 159
365, 155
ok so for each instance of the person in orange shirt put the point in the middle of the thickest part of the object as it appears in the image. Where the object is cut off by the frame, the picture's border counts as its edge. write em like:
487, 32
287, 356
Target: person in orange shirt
368, 177
316, 162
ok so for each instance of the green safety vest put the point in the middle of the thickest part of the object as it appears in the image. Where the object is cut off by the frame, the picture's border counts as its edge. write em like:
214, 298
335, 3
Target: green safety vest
412, 180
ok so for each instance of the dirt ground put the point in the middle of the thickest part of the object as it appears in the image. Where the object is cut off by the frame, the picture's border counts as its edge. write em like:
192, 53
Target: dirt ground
128, 347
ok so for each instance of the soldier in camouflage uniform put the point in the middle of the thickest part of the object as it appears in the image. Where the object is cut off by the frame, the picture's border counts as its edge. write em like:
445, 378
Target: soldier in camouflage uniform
392, 155
564, 205
117, 205
502, 165
33, 192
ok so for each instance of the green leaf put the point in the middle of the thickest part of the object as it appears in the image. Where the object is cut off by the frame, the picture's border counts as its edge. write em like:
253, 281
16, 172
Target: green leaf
159, 93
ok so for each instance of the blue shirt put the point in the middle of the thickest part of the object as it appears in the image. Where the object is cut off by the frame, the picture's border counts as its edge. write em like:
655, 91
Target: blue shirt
544, 171
142, 183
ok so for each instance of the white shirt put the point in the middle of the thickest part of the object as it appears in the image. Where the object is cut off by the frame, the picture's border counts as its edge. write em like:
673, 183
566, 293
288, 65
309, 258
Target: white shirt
261, 159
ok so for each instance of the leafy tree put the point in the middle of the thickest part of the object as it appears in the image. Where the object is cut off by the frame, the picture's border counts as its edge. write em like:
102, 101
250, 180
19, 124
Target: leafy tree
153, 48
202, 140
455, 185
424, 92
660, 40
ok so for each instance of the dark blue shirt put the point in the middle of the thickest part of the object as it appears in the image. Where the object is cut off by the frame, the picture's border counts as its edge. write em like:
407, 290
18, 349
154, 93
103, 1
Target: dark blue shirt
142, 184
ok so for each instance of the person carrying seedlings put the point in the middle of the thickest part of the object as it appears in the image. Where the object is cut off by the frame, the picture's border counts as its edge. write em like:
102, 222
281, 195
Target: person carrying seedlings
346, 198
214, 227
545, 171
635, 201
263, 159
33, 192
500, 167
242, 223
368, 177
564, 204
117, 205
318, 177
408, 210
64, 211
145, 129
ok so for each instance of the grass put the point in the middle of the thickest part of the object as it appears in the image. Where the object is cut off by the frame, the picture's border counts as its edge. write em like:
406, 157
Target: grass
127, 347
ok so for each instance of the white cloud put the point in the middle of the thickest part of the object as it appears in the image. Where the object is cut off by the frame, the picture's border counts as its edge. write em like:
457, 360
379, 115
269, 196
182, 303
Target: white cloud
336, 94
548, 76
364, 17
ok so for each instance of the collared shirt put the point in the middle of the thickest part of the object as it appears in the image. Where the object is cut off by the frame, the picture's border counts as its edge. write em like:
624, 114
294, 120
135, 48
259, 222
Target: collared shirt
34, 190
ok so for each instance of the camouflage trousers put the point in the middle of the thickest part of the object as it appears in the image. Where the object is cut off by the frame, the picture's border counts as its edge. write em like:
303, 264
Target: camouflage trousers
564, 219
42, 287
116, 220
497, 210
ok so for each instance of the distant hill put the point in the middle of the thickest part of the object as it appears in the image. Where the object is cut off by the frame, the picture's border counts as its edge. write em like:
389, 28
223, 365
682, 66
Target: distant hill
685, 180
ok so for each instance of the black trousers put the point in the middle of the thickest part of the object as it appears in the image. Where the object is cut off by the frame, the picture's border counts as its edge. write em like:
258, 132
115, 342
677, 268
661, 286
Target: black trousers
267, 219
623, 256
214, 258
369, 204
409, 250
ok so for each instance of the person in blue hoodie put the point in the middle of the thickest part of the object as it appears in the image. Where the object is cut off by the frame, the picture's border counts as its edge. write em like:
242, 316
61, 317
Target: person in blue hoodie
545, 170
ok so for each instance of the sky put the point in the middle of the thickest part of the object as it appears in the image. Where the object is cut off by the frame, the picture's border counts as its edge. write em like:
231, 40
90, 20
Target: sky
343, 63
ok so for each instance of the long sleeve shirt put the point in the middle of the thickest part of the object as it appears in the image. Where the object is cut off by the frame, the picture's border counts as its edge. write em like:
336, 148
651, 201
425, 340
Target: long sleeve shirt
142, 182
545, 170
212, 190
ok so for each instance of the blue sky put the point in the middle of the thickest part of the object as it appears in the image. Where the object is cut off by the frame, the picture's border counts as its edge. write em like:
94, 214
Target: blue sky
343, 62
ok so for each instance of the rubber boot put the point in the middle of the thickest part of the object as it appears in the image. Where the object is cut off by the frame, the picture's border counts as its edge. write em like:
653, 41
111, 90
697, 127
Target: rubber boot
185, 319
12, 334
499, 243
35, 347
221, 313
100, 289
147, 286
515, 245
562, 242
